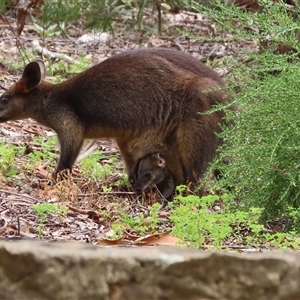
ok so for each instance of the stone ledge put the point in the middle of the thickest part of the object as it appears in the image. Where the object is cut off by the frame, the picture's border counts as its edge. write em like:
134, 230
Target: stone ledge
43, 270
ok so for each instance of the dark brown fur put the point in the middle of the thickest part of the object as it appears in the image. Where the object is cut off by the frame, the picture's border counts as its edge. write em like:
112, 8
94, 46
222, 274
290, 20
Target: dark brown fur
148, 100
149, 172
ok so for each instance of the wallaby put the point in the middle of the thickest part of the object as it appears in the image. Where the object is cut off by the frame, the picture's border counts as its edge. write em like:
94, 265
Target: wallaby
151, 171
148, 100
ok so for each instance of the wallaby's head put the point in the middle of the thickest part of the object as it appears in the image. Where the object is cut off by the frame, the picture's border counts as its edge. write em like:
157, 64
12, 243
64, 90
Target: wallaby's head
151, 170
13, 103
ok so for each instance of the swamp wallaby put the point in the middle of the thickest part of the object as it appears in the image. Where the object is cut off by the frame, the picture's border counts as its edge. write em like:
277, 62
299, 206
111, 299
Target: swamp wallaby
151, 171
148, 100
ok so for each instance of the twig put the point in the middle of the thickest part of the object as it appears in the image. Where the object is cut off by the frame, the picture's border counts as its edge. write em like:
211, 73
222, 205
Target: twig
164, 200
107, 193
78, 210
17, 194
88, 145
44, 51
20, 200
88, 149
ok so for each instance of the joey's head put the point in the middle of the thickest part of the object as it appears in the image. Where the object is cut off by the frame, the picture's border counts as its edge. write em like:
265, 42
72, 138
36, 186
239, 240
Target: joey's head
14, 103
151, 171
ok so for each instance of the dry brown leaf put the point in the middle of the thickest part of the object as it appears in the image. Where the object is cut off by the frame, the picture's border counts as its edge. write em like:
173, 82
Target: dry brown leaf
111, 242
158, 239
194, 208
148, 240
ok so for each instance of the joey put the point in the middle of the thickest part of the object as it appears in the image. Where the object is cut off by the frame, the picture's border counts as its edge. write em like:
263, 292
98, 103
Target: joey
148, 100
151, 171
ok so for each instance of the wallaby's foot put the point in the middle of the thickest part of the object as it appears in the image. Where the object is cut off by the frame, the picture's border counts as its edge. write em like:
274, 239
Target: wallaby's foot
62, 175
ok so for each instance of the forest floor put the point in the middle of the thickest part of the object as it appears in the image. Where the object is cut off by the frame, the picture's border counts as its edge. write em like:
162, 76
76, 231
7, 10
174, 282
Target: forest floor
83, 208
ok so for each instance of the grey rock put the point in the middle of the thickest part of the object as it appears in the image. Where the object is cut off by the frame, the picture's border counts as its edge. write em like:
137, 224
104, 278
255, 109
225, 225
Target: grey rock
42, 270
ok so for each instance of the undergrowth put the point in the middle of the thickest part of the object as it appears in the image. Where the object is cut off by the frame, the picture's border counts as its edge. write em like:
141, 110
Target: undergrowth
263, 144
211, 222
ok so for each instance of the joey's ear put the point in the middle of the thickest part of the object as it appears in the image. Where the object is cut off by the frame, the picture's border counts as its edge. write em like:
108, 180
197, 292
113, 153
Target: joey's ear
33, 74
158, 160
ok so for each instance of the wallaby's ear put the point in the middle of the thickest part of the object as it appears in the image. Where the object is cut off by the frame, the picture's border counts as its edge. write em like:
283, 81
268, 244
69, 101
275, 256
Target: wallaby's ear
33, 74
158, 160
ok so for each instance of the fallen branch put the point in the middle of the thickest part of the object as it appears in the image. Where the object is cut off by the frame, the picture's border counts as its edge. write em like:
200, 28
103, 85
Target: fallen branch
51, 54
20, 195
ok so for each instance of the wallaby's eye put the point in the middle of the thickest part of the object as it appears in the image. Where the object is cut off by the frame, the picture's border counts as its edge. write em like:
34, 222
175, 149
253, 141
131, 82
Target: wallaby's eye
148, 175
4, 101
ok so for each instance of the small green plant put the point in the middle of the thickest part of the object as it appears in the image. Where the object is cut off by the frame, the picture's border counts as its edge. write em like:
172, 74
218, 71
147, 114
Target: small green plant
106, 190
282, 240
153, 217
7, 156
141, 222
194, 223
2, 6
118, 230
46, 149
197, 223
91, 166
123, 181
62, 71
45, 209
129, 220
